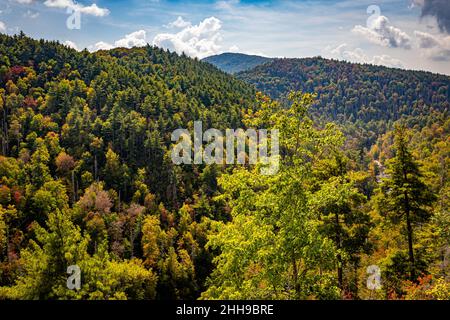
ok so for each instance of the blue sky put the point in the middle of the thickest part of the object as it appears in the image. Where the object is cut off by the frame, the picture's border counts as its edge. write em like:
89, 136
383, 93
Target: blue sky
412, 34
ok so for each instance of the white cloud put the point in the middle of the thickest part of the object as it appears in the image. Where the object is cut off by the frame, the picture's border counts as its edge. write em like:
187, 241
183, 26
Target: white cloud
93, 9
382, 33
71, 44
199, 41
426, 40
233, 49
101, 45
24, 1
134, 39
357, 55
386, 60
342, 52
2, 26
435, 47
179, 23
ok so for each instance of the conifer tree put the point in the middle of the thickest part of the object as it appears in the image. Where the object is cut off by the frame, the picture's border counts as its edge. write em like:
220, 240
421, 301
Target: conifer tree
405, 197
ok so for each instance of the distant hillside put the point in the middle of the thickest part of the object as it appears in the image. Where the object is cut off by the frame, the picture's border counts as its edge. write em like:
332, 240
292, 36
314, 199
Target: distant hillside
236, 62
367, 99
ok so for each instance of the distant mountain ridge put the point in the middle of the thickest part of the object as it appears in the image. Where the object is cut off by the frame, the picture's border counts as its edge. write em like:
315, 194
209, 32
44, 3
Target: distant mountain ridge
365, 98
236, 62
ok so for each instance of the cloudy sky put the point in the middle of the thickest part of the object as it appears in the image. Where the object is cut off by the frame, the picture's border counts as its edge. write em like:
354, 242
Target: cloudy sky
412, 34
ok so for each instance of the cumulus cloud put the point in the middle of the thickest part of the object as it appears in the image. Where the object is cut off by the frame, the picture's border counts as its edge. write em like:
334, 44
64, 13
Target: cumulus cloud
199, 41
343, 52
179, 23
92, 10
71, 44
382, 33
2, 26
435, 47
101, 45
440, 9
134, 39
386, 60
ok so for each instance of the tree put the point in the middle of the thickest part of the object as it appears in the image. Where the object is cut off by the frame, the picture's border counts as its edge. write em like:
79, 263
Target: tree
51, 196
96, 199
272, 248
64, 163
6, 216
151, 232
38, 167
60, 245
338, 202
404, 196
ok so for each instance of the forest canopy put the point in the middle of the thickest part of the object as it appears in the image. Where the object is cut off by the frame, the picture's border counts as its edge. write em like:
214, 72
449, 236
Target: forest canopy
87, 178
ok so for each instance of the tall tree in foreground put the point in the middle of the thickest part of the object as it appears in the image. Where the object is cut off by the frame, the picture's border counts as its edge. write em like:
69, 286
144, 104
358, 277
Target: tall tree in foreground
404, 196
339, 203
273, 248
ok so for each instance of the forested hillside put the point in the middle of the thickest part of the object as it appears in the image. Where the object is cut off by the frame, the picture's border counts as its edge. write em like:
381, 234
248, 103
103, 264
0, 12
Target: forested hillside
236, 62
366, 99
84, 154
87, 179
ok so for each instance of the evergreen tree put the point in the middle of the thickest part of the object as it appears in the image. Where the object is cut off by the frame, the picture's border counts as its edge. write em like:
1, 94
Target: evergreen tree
405, 197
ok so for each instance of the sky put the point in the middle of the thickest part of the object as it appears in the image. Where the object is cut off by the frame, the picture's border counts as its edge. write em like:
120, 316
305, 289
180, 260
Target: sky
410, 34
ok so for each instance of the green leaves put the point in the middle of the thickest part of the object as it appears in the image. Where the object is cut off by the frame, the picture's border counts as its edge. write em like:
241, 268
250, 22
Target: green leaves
403, 189
61, 244
272, 248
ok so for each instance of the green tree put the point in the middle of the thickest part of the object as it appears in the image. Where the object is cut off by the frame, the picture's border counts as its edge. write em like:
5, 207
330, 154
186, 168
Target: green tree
272, 248
404, 196
61, 244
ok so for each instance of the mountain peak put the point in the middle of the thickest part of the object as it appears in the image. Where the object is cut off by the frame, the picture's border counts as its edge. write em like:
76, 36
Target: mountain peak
236, 62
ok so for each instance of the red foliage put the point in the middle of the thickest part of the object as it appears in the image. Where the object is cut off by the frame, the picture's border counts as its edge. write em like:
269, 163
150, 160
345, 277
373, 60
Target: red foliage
29, 102
17, 70
17, 196
5, 195
14, 73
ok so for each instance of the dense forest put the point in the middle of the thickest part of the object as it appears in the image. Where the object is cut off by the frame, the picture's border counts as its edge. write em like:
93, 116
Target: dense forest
87, 178
365, 99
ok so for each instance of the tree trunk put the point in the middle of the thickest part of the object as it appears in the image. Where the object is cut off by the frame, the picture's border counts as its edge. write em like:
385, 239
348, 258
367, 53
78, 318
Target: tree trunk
95, 168
73, 187
339, 257
410, 240
409, 231
295, 277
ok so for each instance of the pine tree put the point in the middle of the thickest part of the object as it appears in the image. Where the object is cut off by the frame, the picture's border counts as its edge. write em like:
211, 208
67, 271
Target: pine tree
405, 197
